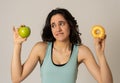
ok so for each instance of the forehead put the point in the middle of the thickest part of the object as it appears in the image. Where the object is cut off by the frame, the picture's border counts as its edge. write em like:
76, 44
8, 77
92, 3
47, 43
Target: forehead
57, 18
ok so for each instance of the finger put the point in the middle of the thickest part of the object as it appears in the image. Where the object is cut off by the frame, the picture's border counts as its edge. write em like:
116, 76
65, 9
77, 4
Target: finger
13, 28
103, 42
105, 36
96, 40
22, 25
15, 31
23, 39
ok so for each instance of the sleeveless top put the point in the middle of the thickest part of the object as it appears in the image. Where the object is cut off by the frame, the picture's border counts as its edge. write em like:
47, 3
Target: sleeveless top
66, 73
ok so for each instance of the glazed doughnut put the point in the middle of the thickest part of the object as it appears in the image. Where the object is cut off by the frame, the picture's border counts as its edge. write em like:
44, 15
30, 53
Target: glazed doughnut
98, 31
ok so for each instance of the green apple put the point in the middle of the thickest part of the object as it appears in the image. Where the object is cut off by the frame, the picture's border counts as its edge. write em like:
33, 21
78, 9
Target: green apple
24, 31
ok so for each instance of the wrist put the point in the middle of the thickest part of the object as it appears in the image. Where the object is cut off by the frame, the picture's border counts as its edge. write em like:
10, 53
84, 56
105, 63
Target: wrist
17, 44
100, 54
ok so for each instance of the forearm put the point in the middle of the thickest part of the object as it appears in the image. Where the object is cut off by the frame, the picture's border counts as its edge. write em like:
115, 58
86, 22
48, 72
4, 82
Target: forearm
16, 64
105, 71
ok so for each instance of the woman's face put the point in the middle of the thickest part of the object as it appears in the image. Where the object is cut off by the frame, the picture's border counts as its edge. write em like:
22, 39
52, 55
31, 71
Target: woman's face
60, 28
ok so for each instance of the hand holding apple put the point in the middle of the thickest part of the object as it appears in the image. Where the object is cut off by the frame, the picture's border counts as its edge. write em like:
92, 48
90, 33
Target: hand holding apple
24, 31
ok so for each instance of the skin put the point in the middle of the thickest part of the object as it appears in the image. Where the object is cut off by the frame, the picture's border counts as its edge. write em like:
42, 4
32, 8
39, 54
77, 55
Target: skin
61, 53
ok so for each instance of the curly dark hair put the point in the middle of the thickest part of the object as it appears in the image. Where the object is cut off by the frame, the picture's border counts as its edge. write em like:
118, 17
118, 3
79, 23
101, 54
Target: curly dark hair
47, 35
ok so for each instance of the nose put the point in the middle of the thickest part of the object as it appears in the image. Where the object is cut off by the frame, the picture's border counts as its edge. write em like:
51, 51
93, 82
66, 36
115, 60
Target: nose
58, 28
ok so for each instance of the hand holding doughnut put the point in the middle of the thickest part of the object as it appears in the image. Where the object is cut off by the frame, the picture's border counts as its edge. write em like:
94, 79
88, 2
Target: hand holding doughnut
98, 31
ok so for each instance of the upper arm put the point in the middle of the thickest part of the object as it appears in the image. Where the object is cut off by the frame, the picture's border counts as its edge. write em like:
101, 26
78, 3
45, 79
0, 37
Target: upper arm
90, 62
32, 60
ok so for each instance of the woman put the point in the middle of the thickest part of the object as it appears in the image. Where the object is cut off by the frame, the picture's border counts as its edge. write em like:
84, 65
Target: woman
60, 53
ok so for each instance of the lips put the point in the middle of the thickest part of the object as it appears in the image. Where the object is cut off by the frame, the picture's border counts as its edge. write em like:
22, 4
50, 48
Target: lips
57, 34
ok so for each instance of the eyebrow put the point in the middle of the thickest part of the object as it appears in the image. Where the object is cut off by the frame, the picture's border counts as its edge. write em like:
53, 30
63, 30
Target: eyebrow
62, 21
58, 21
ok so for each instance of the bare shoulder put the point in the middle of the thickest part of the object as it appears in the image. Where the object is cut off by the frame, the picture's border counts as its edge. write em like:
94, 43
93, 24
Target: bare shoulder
40, 49
83, 48
41, 44
83, 52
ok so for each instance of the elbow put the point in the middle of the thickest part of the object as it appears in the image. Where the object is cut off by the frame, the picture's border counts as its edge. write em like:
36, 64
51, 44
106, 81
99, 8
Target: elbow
111, 81
108, 81
15, 80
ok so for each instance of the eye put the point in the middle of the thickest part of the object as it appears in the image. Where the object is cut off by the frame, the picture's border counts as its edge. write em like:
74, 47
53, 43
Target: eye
61, 23
52, 25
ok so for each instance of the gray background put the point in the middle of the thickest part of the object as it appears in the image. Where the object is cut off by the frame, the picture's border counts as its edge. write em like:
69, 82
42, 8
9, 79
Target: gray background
33, 13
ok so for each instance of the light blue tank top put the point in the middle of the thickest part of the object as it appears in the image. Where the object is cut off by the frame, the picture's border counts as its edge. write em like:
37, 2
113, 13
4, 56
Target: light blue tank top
67, 73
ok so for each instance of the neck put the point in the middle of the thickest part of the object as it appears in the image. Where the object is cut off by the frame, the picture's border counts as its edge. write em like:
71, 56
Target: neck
62, 45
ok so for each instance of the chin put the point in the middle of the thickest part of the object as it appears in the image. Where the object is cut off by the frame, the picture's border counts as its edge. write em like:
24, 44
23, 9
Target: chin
61, 40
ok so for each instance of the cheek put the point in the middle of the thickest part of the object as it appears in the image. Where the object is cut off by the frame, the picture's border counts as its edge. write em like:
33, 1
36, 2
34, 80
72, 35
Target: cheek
53, 31
67, 32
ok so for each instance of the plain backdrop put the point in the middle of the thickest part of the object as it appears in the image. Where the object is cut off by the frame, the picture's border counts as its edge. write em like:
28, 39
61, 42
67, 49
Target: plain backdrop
33, 14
